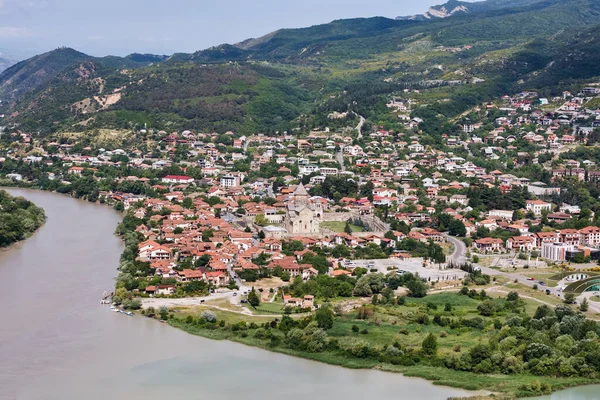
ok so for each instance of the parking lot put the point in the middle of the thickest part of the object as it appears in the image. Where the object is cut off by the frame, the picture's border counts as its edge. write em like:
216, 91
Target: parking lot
412, 265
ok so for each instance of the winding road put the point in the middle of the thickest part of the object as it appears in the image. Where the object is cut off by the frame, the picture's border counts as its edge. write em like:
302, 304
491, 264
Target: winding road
459, 257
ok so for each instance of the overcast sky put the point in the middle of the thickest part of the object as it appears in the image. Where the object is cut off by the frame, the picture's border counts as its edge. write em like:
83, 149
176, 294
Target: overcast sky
120, 27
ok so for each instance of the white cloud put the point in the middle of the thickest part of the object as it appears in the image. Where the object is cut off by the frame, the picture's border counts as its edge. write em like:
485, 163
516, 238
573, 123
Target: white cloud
14, 32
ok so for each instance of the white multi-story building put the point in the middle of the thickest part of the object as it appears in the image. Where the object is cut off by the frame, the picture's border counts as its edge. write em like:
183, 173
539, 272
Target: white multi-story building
556, 251
309, 169
229, 181
329, 171
590, 236
538, 206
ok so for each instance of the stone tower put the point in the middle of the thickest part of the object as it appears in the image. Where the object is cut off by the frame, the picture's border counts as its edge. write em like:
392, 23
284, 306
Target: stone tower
300, 196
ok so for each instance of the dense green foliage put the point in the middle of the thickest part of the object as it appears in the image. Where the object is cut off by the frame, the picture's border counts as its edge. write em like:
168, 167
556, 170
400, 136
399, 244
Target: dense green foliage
346, 65
19, 218
483, 342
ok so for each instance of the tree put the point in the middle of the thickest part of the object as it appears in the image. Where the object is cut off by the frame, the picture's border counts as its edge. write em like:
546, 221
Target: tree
119, 206
164, 313
585, 305
261, 220
457, 228
324, 317
417, 288
362, 288
348, 229
487, 308
517, 215
209, 316
187, 203
261, 234
429, 345
569, 298
202, 261
512, 296
253, 298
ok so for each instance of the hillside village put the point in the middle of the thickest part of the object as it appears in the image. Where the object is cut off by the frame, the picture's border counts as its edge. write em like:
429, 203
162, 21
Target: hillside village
224, 209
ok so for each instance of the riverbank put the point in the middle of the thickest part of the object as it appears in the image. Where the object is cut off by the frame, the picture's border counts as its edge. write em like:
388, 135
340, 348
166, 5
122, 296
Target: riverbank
78, 345
513, 384
504, 386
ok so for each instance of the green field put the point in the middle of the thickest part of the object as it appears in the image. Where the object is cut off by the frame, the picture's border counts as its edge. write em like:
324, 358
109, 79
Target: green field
404, 327
275, 308
338, 226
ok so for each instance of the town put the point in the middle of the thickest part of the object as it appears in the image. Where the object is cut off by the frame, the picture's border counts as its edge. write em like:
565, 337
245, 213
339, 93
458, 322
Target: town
277, 225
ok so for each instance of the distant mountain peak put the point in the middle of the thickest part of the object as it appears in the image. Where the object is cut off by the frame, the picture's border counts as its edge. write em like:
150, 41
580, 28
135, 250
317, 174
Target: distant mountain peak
456, 7
446, 11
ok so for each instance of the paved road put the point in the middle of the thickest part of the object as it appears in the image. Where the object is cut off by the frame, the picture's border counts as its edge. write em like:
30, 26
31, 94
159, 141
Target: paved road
360, 126
340, 158
459, 257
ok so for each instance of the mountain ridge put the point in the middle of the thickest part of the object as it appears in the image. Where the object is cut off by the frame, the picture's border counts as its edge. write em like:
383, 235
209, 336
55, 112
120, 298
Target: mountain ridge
454, 7
292, 72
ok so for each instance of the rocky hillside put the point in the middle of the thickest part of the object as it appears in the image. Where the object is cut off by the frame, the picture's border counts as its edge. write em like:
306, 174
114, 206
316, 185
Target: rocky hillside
455, 7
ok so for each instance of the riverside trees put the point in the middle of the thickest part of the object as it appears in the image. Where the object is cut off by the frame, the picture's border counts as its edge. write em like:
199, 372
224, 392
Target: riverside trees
19, 218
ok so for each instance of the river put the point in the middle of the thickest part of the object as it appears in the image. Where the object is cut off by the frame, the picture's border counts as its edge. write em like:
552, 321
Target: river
58, 342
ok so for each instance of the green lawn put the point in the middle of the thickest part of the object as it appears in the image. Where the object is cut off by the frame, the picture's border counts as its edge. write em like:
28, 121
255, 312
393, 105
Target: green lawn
268, 308
338, 226
545, 276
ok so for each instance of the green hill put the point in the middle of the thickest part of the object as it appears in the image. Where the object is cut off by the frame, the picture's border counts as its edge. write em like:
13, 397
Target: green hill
295, 77
39, 70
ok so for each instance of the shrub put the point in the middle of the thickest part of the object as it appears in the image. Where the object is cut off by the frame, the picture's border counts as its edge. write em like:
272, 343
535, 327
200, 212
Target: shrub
324, 317
487, 308
260, 333
429, 345
365, 331
512, 296
443, 334
164, 313
355, 328
209, 316
364, 312
392, 351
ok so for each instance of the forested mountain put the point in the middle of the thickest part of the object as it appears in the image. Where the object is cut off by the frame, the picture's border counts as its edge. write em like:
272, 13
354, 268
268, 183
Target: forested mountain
5, 62
295, 77
41, 69
36, 71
